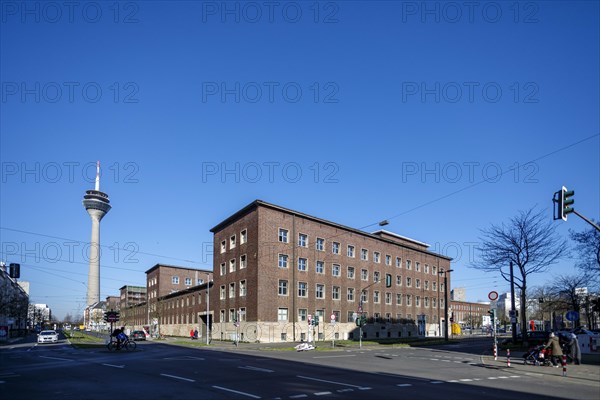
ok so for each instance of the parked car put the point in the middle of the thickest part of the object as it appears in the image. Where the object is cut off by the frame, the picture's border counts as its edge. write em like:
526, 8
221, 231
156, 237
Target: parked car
47, 337
533, 338
138, 335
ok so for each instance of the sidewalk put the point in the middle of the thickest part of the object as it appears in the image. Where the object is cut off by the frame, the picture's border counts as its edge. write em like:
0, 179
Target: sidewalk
585, 371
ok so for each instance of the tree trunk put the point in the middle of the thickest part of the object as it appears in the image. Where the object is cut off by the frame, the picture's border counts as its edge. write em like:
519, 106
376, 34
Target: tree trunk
523, 307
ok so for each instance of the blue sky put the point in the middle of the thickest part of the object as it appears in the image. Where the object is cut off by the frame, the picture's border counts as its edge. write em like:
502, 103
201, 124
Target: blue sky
351, 111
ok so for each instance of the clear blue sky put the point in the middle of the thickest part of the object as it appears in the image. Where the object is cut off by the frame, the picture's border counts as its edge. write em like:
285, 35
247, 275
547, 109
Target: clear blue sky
351, 111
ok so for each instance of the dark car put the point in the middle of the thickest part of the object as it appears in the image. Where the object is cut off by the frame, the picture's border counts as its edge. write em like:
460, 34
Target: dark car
533, 338
138, 335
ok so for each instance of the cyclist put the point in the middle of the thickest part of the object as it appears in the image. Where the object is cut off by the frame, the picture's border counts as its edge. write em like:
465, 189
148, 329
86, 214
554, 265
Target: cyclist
119, 334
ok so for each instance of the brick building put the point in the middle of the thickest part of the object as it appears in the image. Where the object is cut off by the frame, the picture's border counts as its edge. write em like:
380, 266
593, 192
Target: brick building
275, 268
468, 314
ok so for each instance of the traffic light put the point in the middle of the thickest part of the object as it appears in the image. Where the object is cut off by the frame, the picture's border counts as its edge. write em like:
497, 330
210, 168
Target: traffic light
14, 270
388, 280
492, 313
565, 203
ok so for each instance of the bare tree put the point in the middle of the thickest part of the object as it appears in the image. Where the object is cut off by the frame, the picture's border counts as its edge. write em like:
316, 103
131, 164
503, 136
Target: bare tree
567, 289
588, 249
528, 241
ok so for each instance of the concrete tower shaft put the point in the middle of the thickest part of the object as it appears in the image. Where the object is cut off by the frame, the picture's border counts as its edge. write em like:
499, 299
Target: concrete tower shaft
97, 205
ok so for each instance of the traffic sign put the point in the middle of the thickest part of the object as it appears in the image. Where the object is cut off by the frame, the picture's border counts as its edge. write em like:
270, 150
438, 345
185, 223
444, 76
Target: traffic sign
493, 296
572, 316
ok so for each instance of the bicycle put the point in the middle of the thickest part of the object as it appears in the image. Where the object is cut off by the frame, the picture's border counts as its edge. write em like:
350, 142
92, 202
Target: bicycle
126, 344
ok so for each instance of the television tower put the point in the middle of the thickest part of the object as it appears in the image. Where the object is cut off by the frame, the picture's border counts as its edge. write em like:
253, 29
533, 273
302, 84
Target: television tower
97, 205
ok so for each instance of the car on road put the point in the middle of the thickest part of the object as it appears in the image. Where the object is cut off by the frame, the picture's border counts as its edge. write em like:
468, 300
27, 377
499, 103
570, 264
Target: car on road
47, 337
138, 335
533, 338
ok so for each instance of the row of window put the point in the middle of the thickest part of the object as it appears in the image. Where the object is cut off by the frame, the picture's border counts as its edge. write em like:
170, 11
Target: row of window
232, 290
282, 316
188, 281
233, 265
233, 241
283, 237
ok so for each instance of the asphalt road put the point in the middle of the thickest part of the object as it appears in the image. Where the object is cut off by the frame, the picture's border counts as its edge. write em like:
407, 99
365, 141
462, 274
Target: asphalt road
163, 371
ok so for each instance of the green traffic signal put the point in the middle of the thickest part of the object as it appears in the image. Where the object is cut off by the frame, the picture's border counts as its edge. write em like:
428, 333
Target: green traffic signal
565, 202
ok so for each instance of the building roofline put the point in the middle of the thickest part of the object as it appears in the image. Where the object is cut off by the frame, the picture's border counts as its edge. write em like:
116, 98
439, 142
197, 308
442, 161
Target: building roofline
178, 267
260, 203
186, 290
402, 237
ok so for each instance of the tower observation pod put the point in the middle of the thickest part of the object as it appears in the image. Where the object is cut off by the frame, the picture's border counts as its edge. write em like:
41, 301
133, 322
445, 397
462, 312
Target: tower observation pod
97, 205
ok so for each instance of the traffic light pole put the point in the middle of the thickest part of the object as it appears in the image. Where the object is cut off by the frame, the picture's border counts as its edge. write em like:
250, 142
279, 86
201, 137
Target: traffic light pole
587, 220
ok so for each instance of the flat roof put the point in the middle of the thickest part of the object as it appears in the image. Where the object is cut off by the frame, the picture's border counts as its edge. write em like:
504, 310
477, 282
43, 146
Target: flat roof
178, 267
260, 203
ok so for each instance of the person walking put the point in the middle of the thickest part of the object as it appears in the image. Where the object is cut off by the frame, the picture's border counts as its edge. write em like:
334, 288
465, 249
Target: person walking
575, 350
196, 333
192, 334
554, 345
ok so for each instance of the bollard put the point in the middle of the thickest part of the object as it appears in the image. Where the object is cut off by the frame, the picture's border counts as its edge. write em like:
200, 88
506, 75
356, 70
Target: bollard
495, 352
508, 358
564, 365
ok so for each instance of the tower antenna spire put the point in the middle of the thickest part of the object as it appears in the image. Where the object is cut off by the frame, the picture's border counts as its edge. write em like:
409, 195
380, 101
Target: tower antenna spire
98, 175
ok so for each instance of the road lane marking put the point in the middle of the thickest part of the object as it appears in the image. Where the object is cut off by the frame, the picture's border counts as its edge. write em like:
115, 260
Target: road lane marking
404, 384
298, 396
345, 355
466, 380
237, 391
334, 382
436, 382
178, 377
114, 366
256, 369
56, 358
322, 393
345, 390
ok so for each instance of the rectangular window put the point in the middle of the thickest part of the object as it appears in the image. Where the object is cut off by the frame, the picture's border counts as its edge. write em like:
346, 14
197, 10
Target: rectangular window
408, 264
426, 269
188, 281
433, 303
388, 259
199, 281
320, 244
418, 301
434, 270
350, 294
364, 275
417, 266
232, 242
283, 261
335, 248
302, 314
408, 282
335, 270
350, 273
320, 291
302, 240
388, 298
398, 280
223, 269
222, 292
175, 280
398, 299
442, 287
320, 267
283, 235
283, 287
302, 264
408, 299
350, 251
335, 293
242, 261
364, 254
398, 262
282, 314
350, 316
223, 246
232, 290
375, 276
302, 291
426, 301
222, 315
376, 296
243, 236
242, 314
426, 285
243, 288
376, 257
417, 283
434, 286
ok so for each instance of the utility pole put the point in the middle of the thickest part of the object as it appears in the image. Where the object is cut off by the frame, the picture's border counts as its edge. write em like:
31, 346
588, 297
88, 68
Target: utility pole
207, 309
513, 316
445, 272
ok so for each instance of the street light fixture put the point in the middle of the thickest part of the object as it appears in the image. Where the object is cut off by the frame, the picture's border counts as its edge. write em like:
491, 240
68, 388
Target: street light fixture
444, 272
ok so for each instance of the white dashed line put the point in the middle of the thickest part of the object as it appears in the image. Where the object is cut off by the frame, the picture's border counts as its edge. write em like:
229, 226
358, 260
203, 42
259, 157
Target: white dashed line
335, 383
298, 396
256, 369
404, 384
436, 382
114, 366
238, 392
322, 393
178, 377
56, 358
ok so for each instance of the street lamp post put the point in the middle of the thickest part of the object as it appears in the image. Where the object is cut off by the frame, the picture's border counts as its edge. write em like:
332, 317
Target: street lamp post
445, 272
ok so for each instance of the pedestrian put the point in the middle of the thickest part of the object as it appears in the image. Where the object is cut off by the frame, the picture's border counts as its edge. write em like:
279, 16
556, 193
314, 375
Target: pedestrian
554, 345
192, 334
196, 333
575, 350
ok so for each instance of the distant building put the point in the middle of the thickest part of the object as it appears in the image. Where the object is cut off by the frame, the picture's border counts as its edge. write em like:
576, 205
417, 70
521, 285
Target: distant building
113, 303
503, 306
14, 302
132, 295
458, 294
469, 314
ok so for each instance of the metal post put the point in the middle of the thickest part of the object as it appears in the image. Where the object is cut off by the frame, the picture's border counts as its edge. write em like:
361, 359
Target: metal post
445, 306
512, 305
207, 308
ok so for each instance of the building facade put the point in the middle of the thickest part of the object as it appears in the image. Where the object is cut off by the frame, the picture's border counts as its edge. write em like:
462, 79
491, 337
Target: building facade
275, 269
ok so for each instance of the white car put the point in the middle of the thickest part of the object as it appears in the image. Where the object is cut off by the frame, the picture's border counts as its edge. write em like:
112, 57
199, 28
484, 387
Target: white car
47, 337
